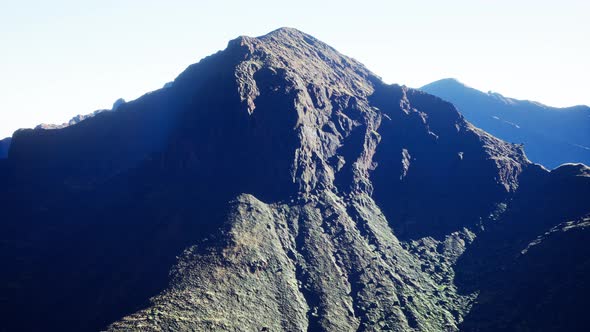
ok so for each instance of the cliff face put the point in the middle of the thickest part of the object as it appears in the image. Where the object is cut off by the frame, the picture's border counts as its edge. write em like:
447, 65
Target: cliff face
300, 193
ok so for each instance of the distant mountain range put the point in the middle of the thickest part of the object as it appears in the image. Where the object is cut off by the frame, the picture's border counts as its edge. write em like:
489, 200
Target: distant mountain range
551, 136
279, 185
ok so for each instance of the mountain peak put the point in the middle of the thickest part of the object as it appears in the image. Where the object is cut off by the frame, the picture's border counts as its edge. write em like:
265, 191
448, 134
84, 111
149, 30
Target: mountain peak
287, 31
300, 58
284, 35
281, 186
551, 135
445, 82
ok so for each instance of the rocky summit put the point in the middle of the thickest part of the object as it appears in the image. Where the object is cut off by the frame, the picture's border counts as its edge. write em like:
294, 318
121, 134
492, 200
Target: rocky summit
279, 185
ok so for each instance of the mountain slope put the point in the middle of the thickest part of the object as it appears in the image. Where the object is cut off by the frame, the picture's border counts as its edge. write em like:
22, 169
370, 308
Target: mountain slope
298, 191
551, 136
4, 146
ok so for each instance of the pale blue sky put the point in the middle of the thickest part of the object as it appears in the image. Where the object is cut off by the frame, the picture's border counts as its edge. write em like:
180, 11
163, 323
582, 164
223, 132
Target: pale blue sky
61, 58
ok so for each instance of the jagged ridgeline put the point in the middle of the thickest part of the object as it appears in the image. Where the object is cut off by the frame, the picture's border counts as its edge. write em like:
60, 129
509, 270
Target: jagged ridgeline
281, 186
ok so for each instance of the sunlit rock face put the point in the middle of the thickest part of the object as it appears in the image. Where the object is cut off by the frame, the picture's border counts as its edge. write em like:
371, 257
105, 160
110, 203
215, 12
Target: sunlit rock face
279, 185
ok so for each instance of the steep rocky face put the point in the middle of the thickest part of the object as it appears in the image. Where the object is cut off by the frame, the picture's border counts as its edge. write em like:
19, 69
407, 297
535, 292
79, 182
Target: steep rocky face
551, 136
299, 192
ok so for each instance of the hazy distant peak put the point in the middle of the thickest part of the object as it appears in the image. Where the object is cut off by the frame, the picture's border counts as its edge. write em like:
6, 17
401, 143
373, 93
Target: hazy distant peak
531, 103
118, 103
446, 83
551, 135
506, 100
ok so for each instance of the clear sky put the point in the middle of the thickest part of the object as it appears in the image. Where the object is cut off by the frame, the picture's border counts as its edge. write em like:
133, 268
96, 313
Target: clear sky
63, 57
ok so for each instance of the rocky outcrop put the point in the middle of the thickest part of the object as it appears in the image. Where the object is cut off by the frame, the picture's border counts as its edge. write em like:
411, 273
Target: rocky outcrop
298, 191
117, 104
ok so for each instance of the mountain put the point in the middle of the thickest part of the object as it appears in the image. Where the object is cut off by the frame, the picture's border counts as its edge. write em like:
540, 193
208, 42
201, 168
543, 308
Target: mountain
280, 185
551, 136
